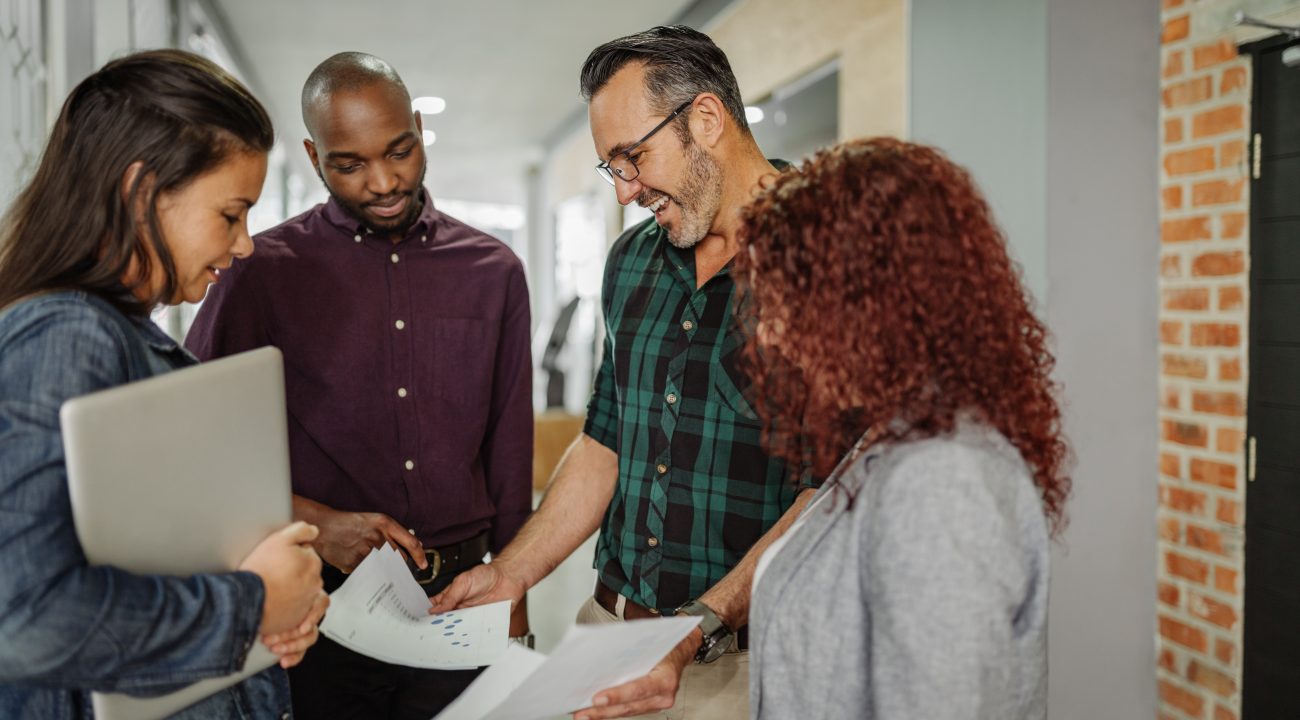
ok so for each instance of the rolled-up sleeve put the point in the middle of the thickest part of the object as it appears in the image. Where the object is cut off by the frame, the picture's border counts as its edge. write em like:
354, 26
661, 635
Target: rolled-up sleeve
64, 622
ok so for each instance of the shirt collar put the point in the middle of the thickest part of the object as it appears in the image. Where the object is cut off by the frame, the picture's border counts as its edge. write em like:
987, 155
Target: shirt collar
425, 224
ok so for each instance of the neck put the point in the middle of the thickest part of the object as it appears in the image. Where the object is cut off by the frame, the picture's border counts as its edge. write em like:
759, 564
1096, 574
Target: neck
743, 178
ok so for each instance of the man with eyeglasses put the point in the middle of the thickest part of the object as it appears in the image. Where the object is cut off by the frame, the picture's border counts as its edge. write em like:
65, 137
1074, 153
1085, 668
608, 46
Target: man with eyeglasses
408, 373
670, 465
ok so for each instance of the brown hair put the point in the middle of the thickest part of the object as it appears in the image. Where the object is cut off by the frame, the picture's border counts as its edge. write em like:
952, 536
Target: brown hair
876, 272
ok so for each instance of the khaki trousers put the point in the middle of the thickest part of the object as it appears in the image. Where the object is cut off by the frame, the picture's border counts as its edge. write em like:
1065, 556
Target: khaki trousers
716, 691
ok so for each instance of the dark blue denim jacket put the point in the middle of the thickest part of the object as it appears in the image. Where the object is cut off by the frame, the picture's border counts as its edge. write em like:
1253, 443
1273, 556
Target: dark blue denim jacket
67, 628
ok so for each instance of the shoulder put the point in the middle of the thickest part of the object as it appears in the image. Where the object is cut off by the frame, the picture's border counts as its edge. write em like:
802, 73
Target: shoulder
636, 243
486, 251
60, 345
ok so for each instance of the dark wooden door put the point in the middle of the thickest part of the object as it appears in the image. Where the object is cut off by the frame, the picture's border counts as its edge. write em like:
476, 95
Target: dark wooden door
1271, 653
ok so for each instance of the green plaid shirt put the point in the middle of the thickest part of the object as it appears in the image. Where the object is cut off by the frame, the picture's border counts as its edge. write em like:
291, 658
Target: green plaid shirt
695, 489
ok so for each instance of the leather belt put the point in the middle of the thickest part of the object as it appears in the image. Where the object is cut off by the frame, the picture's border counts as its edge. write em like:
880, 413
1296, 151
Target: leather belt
608, 599
451, 559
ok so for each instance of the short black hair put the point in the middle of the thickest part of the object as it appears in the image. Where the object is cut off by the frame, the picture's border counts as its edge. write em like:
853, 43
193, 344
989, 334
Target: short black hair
681, 62
343, 72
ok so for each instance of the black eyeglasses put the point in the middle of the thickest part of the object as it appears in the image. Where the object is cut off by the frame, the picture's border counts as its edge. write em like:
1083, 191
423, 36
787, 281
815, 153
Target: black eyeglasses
622, 165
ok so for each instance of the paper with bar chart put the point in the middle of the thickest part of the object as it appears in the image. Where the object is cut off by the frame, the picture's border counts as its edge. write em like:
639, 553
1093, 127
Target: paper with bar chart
381, 612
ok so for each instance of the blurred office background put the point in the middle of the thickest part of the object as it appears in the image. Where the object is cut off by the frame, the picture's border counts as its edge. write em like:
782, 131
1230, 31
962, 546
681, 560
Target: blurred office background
1115, 139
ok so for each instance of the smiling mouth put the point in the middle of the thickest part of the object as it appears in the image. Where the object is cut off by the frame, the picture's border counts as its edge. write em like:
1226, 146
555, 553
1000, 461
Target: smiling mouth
657, 206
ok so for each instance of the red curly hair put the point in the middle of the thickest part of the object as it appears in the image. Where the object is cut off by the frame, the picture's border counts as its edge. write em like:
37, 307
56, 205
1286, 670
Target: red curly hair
876, 274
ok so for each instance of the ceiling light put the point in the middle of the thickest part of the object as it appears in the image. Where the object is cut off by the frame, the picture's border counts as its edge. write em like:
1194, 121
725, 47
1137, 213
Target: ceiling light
429, 105
429, 137
753, 114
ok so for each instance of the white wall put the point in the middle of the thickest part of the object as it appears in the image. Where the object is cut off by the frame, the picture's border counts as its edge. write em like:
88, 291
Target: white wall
1101, 277
978, 90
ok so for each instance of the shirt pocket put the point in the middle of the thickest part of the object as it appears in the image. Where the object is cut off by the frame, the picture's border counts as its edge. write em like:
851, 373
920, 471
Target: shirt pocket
730, 386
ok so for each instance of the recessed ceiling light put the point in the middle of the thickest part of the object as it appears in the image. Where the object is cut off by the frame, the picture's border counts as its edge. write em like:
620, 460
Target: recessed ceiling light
753, 114
429, 137
429, 105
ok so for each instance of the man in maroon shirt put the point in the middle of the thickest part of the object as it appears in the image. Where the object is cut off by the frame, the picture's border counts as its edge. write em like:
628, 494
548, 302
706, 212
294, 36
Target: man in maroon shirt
405, 336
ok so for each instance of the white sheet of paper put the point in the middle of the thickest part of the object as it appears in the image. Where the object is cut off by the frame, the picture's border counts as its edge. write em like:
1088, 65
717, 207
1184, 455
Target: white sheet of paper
381, 612
589, 659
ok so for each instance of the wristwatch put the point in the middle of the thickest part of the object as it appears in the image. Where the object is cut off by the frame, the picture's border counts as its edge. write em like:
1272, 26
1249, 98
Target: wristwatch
527, 640
717, 636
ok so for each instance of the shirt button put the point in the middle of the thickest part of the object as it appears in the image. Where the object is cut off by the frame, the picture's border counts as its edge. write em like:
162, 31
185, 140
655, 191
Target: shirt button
401, 392
688, 326
357, 237
672, 398
399, 324
393, 257
652, 542
410, 465
662, 468
424, 238
654, 611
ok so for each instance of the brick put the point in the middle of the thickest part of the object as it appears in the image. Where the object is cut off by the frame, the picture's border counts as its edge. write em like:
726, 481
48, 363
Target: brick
1204, 539
1224, 651
1219, 403
1225, 580
1229, 512
1191, 502
1234, 78
1171, 465
1185, 230
1230, 369
1223, 713
1229, 440
1188, 92
1171, 266
1171, 198
1231, 298
1167, 662
1170, 4
1174, 64
1232, 225
1186, 299
1232, 154
1171, 333
1170, 529
1230, 118
1212, 611
1219, 264
1183, 366
1187, 162
1207, 677
1218, 192
1168, 594
1189, 702
1216, 335
1209, 472
1171, 398
1214, 53
1183, 634
1173, 130
1176, 29
1197, 572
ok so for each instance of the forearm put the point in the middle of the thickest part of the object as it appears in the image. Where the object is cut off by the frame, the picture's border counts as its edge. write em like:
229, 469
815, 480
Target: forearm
729, 598
575, 502
308, 510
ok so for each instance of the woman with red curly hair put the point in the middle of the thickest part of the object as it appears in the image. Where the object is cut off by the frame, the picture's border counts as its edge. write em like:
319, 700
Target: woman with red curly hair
889, 328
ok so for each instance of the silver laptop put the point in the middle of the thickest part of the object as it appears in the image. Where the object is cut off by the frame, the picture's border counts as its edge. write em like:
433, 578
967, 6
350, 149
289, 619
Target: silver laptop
178, 474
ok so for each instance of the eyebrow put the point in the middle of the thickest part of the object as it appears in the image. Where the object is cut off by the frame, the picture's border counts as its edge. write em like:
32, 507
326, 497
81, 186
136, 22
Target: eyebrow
346, 155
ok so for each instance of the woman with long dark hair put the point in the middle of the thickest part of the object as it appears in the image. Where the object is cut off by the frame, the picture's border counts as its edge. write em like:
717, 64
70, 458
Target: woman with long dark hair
141, 198
893, 347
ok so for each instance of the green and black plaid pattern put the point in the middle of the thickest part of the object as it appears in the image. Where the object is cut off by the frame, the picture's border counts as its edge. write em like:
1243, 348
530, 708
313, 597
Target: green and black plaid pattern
695, 489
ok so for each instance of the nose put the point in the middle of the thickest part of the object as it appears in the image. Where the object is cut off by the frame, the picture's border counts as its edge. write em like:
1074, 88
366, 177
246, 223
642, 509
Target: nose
627, 190
382, 180
243, 246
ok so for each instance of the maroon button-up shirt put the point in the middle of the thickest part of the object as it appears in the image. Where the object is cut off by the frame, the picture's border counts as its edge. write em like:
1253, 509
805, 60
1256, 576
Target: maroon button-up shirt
407, 367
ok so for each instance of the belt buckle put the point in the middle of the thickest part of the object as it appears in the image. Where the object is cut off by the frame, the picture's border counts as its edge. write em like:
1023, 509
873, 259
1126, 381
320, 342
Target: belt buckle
430, 573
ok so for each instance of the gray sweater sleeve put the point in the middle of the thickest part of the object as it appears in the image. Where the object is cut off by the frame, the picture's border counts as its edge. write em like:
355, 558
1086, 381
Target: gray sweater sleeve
943, 548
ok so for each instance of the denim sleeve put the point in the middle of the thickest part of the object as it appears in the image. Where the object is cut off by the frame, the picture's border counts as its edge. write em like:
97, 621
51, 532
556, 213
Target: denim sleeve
65, 623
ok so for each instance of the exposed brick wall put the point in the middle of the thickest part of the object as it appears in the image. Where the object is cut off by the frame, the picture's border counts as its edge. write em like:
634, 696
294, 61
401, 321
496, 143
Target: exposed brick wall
1204, 207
